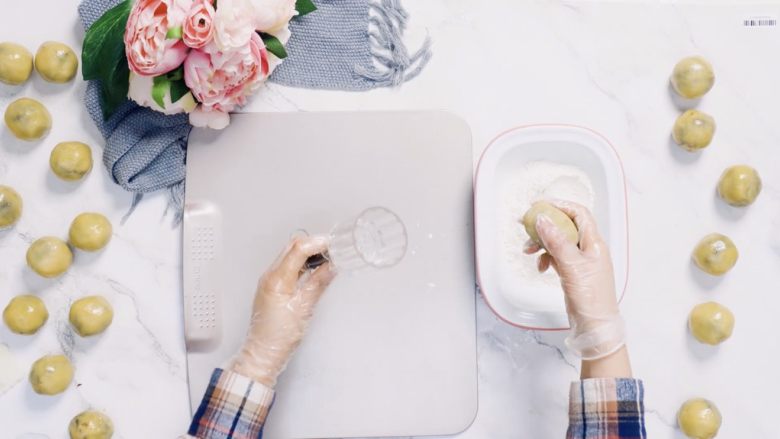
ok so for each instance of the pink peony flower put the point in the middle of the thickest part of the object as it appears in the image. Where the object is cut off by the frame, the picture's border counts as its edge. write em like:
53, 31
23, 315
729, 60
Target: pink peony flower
233, 24
198, 29
149, 51
271, 15
222, 80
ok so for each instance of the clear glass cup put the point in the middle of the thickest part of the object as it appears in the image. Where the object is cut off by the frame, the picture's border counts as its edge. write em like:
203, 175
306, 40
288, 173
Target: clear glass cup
376, 238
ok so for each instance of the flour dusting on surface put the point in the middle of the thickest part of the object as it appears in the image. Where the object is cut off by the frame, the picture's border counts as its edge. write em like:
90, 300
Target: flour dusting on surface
535, 181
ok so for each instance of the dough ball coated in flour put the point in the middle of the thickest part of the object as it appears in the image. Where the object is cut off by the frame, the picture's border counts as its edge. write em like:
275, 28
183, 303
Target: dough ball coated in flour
16, 64
90, 315
699, 418
71, 161
25, 314
56, 62
715, 254
51, 374
739, 185
692, 77
27, 119
693, 130
49, 256
10, 206
711, 323
91, 424
557, 216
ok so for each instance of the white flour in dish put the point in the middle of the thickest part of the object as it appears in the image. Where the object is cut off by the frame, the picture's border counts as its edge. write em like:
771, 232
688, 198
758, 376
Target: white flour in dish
533, 182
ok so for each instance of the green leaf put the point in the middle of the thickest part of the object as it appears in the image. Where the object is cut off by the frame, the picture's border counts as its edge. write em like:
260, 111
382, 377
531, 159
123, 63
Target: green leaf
273, 45
174, 33
304, 7
103, 57
160, 89
178, 90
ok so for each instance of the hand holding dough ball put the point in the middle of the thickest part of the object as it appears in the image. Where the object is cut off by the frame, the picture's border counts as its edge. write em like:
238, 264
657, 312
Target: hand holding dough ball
558, 217
51, 374
699, 419
10, 206
25, 314
739, 185
693, 130
90, 231
715, 254
71, 161
16, 64
56, 62
49, 256
91, 424
711, 323
692, 77
27, 119
91, 315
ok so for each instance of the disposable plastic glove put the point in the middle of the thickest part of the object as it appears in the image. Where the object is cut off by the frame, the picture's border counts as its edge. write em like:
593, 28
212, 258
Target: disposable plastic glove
586, 273
284, 304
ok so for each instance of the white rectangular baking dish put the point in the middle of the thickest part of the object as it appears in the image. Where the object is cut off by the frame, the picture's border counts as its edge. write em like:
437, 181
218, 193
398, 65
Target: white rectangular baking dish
542, 306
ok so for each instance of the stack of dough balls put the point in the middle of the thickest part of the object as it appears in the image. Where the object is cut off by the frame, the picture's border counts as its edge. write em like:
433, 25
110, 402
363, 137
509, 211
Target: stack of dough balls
25, 314
10, 207
90, 315
711, 323
715, 254
71, 161
557, 216
49, 256
739, 185
91, 424
699, 418
51, 374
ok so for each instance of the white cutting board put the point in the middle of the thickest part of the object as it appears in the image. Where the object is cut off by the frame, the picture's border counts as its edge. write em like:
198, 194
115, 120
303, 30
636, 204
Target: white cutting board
389, 353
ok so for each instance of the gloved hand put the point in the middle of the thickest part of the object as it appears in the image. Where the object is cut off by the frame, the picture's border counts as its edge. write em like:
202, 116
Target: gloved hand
284, 304
586, 273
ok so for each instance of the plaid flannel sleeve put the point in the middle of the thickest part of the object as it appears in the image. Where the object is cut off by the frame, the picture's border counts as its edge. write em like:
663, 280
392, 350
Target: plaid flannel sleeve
234, 407
607, 408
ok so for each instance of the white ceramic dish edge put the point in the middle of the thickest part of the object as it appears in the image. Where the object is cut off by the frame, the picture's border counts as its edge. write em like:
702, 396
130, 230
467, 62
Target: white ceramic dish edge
612, 215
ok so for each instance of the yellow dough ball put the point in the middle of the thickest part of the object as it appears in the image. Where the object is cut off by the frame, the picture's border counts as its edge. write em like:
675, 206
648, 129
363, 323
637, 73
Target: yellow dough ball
711, 323
71, 161
739, 185
51, 374
90, 231
25, 314
692, 77
10, 206
27, 119
557, 216
715, 254
91, 424
56, 62
693, 130
699, 419
49, 256
90, 315
16, 64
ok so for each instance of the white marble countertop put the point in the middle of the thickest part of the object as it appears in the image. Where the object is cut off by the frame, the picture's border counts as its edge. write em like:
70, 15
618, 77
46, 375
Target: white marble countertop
604, 66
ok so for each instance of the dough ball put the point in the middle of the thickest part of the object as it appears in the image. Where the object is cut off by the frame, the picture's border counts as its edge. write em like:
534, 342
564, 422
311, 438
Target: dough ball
739, 185
90, 315
558, 217
91, 424
16, 64
711, 323
28, 119
715, 254
693, 130
51, 374
692, 77
90, 231
10, 206
25, 314
71, 161
49, 256
56, 62
699, 419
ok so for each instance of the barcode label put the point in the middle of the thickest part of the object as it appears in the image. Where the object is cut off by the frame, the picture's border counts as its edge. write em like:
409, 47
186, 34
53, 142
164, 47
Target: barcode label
759, 22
